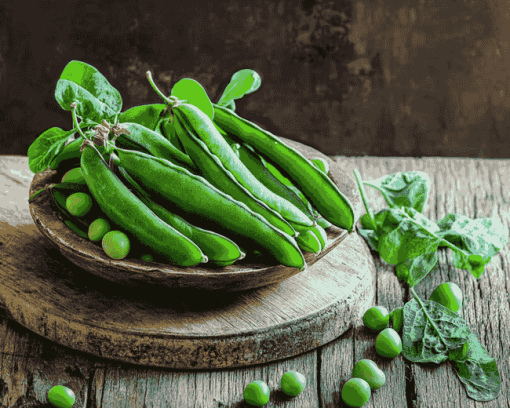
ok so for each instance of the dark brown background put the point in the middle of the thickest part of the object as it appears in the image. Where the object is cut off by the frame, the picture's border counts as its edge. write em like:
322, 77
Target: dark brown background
383, 78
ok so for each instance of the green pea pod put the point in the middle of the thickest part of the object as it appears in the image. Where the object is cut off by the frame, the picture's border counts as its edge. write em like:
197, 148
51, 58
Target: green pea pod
254, 164
317, 186
307, 241
228, 138
319, 232
70, 155
76, 229
127, 211
168, 130
286, 182
149, 141
212, 169
220, 250
321, 164
196, 198
323, 222
198, 126
321, 235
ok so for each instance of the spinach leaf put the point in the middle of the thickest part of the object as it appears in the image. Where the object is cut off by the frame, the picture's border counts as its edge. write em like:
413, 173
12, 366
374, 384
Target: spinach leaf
145, 115
370, 237
479, 240
478, 372
407, 189
242, 83
190, 90
49, 144
430, 331
95, 98
366, 222
414, 270
404, 233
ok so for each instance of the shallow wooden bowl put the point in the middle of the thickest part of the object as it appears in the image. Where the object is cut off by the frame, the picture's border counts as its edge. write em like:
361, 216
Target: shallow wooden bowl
129, 271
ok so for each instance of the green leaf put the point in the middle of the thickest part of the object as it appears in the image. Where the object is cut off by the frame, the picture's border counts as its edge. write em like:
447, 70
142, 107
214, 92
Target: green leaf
478, 240
46, 147
404, 234
478, 372
242, 83
95, 98
370, 238
430, 331
146, 115
190, 90
231, 105
366, 222
407, 189
415, 269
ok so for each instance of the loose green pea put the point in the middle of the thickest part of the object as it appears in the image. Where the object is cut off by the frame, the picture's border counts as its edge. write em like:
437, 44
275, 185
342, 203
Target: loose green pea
376, 318
369, 371
257, 393
356, 392
116, 244
147, 257
397, 318
388, 343
61, 397
293, 383
74, 176
98, 229
449, 295
79, 204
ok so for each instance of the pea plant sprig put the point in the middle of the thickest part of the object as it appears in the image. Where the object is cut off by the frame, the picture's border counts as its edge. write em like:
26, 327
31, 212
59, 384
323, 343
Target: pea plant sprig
404, 237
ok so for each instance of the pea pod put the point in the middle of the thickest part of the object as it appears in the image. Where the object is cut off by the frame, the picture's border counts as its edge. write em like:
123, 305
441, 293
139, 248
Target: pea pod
307, 241
196, 198
127, 211
323, 222
212, 169
254, 164
149, 141
317, 186
70, 155
319, 233
220, 250
168, 131
199, 128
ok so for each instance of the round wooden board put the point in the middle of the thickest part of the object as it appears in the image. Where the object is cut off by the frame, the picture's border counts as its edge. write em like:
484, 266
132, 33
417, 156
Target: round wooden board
176, 328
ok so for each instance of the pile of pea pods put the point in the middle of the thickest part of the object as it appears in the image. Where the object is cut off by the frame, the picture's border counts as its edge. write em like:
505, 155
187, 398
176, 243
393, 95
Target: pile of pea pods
188, 181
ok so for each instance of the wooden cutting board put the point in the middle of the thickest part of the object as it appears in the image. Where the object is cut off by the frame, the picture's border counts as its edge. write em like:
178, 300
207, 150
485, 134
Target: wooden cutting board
154, 326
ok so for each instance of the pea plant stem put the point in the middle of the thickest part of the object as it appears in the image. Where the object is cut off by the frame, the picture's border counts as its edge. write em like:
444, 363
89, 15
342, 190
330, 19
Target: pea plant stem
428, 316
357, 175
168, 101
75, 120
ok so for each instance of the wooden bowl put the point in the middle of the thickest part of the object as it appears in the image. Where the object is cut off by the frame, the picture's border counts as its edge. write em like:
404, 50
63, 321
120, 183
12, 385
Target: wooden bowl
132, 272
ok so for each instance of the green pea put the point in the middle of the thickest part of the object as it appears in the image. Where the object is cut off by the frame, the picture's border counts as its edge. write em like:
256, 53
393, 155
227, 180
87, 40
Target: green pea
61, 397
74, 176
116, 244
98, 229
369, 371
256, 393
449, 295
388, 343
356, 392
376, 318
79, 204
293, 383
397, 318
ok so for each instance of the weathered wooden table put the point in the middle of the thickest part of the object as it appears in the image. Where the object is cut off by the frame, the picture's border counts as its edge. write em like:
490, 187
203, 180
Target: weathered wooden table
30, 365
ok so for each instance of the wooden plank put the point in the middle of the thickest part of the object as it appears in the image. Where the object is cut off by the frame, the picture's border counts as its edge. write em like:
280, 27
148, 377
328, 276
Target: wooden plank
473, 188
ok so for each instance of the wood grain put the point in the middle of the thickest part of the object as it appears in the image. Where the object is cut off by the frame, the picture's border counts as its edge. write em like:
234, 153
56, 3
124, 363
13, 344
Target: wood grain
242, 275
31, 364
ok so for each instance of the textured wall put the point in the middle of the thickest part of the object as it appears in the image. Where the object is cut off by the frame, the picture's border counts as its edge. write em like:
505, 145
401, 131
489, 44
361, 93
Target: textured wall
406, 77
